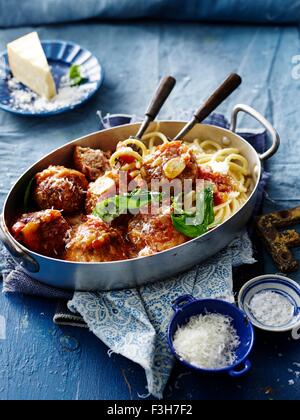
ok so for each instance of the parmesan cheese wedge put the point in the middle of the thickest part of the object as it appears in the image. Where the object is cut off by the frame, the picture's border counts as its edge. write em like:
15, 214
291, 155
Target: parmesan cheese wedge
29, 65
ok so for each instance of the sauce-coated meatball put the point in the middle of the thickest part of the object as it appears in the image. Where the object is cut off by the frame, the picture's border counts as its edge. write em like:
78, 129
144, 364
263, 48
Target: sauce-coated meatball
44, 232
170, 161
104, 187
91, 162
60, 188
95, 241
150, 233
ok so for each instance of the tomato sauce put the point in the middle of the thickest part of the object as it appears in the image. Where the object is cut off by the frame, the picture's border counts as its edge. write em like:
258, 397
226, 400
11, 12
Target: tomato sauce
223, 184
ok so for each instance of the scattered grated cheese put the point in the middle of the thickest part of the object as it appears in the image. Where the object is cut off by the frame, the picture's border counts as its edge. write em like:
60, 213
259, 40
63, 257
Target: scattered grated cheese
219, 167
271, 309
27, 100
233, 194
296, 364
291, 382
207, 341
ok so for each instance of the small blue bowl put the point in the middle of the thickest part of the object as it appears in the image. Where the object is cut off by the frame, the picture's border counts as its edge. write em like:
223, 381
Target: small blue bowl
186, 306
287, 288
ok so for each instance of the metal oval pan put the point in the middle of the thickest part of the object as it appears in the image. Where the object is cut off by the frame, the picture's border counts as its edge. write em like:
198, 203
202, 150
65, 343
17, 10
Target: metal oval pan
139, 271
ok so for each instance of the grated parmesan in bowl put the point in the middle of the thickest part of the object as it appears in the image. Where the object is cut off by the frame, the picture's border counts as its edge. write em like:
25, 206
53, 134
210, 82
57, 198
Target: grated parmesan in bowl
208, 341
271, 303
271, 309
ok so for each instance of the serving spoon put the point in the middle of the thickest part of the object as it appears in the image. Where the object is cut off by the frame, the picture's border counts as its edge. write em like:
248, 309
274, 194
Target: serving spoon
159, 98
232, 82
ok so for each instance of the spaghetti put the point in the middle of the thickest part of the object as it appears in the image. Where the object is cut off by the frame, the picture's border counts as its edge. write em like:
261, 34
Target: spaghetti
224, 166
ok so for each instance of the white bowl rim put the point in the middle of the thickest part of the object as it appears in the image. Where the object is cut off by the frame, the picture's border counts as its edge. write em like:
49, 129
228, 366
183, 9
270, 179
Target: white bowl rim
266, 277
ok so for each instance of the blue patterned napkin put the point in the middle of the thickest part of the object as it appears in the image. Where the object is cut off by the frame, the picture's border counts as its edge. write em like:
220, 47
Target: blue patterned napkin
134, 322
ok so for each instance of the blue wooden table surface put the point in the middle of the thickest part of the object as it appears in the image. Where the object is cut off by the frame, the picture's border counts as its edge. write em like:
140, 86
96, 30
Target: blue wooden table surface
39, 360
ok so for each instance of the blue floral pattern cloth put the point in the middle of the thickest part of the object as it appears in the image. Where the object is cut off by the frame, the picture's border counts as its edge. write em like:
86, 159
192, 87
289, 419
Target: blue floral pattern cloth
134, 322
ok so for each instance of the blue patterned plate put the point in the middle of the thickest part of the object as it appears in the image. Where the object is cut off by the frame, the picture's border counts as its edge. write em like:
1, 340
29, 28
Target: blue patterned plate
61, 56
286, 289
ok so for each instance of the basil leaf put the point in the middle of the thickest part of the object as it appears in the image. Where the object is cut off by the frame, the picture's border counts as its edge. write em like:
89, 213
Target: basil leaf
75, 75
138, 199
189, 225
27, 195
112, 208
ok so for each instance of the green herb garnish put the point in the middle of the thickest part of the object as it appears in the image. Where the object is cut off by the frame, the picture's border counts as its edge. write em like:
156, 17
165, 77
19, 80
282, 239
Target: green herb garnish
199, 222
75, 75
191, 224
112, 208
27, 195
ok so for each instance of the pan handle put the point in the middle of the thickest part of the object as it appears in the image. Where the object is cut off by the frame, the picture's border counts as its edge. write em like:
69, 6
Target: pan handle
25, 260
262, 120
238, 373
177, 304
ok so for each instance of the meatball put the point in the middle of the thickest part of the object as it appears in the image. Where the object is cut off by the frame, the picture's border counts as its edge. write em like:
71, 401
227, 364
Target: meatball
44, 232
170, 161
60, 188
104, 187
151, 233
75, 219
95, 241
91, 162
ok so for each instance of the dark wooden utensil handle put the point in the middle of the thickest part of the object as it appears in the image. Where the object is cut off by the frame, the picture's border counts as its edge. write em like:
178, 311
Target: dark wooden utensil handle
163, 91
232, 82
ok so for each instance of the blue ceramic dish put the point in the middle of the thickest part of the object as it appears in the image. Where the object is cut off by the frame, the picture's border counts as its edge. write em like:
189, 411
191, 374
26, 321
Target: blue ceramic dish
186, 306
277, 284
61, 56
